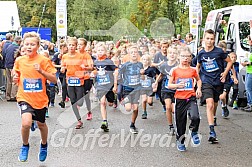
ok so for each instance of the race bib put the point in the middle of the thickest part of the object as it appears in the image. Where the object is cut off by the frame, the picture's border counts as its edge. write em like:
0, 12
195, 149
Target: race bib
167, 82
73, 81
210, 66
188, 84
134, 80
32, 85
146, 83
103, 79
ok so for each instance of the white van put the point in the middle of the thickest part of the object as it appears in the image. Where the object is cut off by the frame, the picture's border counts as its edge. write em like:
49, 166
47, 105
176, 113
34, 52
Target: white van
238, 30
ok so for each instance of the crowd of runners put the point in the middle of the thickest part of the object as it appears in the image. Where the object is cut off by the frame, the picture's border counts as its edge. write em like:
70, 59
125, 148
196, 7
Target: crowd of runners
125, 74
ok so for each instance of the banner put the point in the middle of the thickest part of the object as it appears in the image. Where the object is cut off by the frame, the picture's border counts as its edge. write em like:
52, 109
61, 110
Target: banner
61, 18
195, 16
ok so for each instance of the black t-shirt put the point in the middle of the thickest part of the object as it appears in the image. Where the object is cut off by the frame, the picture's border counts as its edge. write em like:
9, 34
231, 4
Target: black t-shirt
57, 61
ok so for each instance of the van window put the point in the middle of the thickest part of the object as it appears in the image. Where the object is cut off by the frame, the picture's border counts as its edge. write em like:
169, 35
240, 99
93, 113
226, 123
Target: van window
244, 31
231, 32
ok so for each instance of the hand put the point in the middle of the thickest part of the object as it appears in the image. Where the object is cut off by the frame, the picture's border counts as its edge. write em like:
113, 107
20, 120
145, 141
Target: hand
181, 85
92, 75
236, 81
142, 71
37, 68
198, 93
223, 77
15, 78
62, 69
115, 89
154, 87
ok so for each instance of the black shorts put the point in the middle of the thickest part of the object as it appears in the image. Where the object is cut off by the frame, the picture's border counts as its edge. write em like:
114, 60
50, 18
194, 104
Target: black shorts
168, 95
210, 91
110, 96
87, 85
131, 96
227, 87
37, 114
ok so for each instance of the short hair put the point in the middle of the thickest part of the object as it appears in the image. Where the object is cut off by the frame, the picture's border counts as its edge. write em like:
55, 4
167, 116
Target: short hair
32, 35
63, 44
222, 44
83, 40
18, 39
74, 39
164, 42
147, 57
8, 36
190, 35
184, 49
210, 31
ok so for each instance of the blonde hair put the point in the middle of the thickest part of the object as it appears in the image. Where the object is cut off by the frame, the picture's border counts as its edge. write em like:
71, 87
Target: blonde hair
83, 40
148, 59
184, 49
72, 39
32, 35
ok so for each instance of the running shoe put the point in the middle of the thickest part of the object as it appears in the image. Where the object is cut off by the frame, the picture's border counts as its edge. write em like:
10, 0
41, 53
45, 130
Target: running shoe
215, 121
133, 130
164, 109
144, 115
62, 104
195, 138
235, 106
47, 114
79, 125
104, 126
171, 131
34, 126
67, 99
42, 153
52, 105
225, 111
23, 155
89, 116
212, 137
181, 147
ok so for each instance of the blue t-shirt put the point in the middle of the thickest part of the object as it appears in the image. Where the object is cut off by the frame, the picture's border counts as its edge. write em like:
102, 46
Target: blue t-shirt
104, 78
212, 65
130, 74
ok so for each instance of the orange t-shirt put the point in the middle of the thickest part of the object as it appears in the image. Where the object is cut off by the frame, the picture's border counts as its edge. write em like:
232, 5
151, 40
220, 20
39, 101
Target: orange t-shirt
73, 66
32, 84
88, 63
187, 76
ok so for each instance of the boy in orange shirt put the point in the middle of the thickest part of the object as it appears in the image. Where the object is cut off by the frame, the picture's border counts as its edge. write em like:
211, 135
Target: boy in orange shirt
30, 73
182, 79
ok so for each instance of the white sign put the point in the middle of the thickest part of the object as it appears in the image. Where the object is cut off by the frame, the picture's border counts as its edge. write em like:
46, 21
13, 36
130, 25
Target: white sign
61, 18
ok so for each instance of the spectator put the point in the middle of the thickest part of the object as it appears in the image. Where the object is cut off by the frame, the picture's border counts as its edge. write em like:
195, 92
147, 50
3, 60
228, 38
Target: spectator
9, 40
11, 88
190, 43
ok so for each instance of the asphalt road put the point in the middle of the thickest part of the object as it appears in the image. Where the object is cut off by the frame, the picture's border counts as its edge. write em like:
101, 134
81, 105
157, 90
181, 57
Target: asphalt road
151, 147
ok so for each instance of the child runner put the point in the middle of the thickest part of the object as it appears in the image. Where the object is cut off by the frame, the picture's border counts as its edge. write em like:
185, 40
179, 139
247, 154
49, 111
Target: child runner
131, 72
168, 94
74, 64
146, 89
30, 73
211, 69
233, 102
105, 76
87, 81
182, 79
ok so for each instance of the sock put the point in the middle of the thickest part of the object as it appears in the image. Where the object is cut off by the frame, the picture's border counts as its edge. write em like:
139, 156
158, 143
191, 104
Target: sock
223, 105
132, 124
145, 112
171, 126
151, 104
104, 120
211, 127
26, 145
43, 145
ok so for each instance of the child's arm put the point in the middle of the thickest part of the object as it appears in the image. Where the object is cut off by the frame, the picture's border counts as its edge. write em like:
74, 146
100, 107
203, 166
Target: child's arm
172, 85
115, 80
199, 85
234, 77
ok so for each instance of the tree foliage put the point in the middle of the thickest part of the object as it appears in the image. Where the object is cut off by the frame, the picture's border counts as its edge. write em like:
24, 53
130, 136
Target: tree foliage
103, 14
